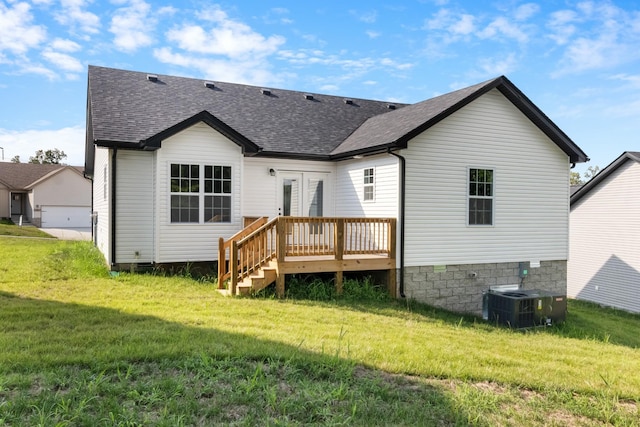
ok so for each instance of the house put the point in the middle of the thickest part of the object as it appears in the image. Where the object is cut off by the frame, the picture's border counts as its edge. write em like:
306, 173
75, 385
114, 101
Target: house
178, 163
604, 256
48, 196
54, 196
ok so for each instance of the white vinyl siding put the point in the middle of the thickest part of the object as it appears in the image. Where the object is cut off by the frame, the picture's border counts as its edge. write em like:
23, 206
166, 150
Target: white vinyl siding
202, 145
604, 257
135, 208
260, 192
532, 185
350, 190
102, 201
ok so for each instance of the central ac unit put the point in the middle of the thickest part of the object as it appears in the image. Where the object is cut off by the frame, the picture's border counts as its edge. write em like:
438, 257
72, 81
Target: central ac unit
526, 308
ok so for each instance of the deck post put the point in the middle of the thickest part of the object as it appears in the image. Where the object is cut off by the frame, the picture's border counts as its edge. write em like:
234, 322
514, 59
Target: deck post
233, 266
222, 259
281, 250
392, 238
281, 240
339, 282
280, 285
339, 239
339, 248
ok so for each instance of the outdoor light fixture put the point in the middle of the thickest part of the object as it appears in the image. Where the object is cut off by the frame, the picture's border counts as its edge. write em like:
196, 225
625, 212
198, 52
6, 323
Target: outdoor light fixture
272, 172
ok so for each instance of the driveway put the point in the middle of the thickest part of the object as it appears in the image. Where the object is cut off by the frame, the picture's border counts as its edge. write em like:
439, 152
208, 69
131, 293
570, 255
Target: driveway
69, 233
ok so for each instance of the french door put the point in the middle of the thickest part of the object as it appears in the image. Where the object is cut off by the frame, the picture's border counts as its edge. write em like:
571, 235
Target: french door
302, 193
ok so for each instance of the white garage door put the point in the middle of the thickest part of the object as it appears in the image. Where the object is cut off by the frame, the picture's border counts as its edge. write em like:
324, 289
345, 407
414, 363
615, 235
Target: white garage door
66, 217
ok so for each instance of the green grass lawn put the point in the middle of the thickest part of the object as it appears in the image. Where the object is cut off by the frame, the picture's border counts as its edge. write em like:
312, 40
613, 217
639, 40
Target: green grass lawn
8, 228
81, 347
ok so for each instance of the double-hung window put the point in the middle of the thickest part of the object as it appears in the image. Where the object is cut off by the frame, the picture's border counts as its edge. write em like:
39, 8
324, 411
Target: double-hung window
369, 184
200, 193
217, 194
185, 193
480, 196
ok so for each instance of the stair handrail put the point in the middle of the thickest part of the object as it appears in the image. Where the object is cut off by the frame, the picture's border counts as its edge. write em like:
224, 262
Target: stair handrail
252, 252
224, 272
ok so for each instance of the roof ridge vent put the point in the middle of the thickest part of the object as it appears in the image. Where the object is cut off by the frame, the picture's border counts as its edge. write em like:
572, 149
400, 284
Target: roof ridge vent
266, 92
152, 77
391, 106
348, 101
210, 85
308, 96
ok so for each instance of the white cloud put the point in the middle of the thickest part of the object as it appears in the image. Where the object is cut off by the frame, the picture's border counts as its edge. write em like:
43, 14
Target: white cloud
387, 62
607, 36
329, 88
465, 25
440, 20
63, 61
26, 143
627, 108
372, 34
318, 57
73, 14
65, 45
227, 37
278, 15
562, 26
500, 27
493, 67
255, 72
367, 17
526, 11
17, 32
632, 80
131, 26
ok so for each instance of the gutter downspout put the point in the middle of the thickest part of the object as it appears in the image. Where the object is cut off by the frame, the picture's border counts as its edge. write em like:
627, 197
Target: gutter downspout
114, 157
93, 236
403, 168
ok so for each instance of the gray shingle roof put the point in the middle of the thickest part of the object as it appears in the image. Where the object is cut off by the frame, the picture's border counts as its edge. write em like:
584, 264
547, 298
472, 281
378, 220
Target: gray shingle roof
20, 176
127, 109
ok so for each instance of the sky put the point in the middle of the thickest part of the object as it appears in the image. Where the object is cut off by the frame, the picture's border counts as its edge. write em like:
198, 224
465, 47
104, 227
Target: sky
578, 61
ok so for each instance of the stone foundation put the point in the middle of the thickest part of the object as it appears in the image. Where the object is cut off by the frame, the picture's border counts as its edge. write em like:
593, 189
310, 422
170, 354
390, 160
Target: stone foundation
460, 287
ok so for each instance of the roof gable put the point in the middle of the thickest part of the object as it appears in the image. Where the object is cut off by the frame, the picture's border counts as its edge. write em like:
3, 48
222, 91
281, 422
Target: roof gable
396, 128
604, 173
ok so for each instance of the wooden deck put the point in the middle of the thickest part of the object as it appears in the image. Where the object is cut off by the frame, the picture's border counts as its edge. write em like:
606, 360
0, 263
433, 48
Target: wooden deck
266, 251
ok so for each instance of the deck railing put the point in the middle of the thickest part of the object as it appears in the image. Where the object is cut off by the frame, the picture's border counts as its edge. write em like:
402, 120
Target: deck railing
285, 238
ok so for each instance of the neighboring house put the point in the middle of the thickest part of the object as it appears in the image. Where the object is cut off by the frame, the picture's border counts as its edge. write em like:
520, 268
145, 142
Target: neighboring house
53, 196
178, 162
604, 263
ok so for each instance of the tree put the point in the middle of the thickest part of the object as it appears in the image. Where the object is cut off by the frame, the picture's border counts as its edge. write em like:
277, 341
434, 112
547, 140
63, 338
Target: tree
48, 157
15, 159
576, 179
591, 172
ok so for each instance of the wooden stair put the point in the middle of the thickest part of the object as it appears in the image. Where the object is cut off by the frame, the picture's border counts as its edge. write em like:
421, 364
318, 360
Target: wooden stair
263, 277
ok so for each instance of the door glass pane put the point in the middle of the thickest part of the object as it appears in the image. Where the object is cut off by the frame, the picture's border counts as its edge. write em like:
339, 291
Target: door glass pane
290, 197
315, 197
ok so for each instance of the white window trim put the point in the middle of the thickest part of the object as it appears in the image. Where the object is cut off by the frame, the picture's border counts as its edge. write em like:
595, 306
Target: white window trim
370, 185
493, 197
201, 194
